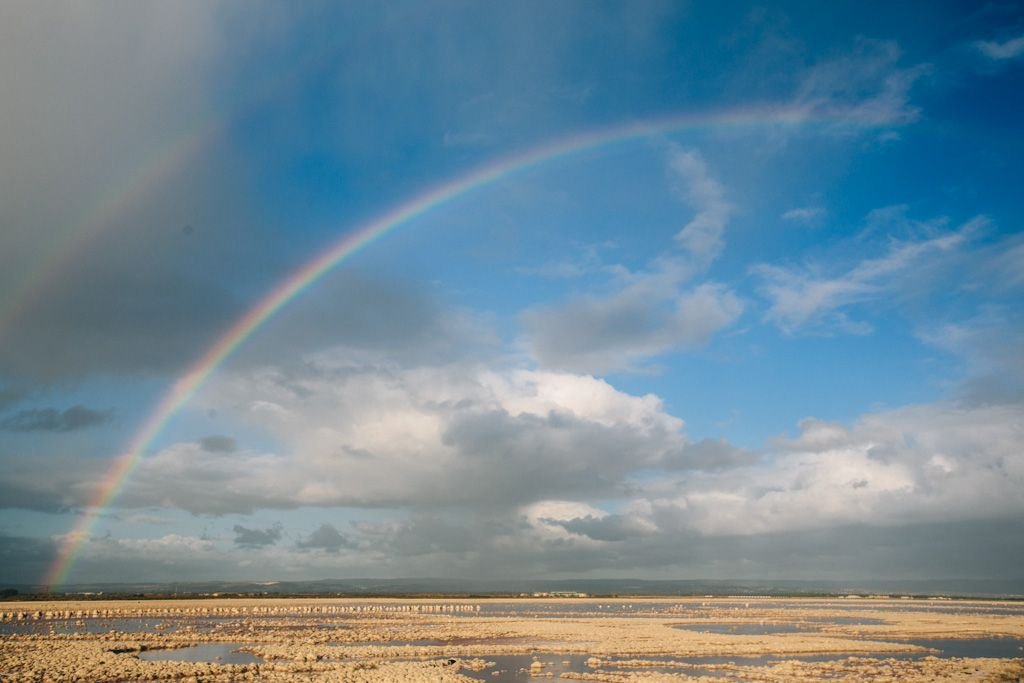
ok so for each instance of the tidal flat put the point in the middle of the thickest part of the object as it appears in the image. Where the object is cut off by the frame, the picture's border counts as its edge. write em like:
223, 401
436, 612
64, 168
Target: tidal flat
506, 640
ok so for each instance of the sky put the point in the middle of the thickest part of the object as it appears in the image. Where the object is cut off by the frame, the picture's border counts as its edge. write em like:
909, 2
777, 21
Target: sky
742, 300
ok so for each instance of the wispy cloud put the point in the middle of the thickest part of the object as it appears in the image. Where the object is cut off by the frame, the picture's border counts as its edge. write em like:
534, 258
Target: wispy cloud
804, 297
703, 237
996, 51
804, 214
651, 311
867, 85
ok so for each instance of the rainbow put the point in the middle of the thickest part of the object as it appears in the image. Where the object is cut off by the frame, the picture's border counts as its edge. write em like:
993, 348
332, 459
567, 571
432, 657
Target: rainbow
351, 243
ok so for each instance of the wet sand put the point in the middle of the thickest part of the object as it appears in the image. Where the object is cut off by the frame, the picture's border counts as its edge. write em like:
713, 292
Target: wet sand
632, 639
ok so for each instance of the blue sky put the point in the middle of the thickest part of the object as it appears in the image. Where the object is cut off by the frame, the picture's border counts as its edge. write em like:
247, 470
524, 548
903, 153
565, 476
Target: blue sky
661, 357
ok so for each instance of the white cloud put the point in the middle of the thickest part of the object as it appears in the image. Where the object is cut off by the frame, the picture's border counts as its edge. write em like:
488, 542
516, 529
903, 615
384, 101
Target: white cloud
805, 297
1009, 49
866, 87
804, 214
702, 237
367, 435
922, 463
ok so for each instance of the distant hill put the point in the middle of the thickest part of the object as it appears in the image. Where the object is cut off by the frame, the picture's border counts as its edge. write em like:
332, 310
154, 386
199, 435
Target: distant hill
498, 587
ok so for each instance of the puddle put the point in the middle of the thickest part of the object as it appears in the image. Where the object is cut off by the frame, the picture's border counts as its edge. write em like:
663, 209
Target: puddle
392, 643
845, 621
518, 667
745, 628
125, 625
1003, 648
514, 609
212, 653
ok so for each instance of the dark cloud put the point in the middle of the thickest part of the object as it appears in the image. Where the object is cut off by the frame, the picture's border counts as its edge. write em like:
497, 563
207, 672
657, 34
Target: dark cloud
325, 538
513, 459
111, 318
24, 560
218, 443
256, 538
19, 492
52, 420
13, 395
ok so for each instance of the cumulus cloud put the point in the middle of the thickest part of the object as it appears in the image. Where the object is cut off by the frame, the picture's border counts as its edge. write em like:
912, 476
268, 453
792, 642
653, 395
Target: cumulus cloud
608, 527
996, 51
518, 440
256, 538
808, 298
913, 465
368, 435
52, 420
949, 472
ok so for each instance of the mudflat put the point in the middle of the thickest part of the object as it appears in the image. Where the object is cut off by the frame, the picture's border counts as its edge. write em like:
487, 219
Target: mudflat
599, 639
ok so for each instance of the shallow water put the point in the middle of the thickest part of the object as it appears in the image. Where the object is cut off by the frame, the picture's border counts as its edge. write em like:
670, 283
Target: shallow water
105, 625
214, 653
745, 629
975, 647
517, 668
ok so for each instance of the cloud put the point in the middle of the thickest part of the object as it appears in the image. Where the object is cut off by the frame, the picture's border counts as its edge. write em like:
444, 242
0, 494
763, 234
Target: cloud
702, 237
891, 492
988, 348
52, 420
805, 214
24, 559
599, 334
256, 538
805, 298
646, 313
710, 455
217, 443
370, 435
515, 441
916, 464
996, 51
93, 126
864, 87
325, 538
12, 395
608, 527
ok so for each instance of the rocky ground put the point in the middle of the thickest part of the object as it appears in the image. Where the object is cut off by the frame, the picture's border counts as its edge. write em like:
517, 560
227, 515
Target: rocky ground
417, 640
